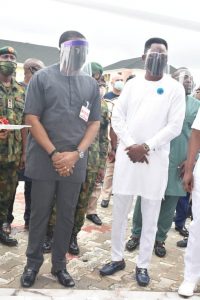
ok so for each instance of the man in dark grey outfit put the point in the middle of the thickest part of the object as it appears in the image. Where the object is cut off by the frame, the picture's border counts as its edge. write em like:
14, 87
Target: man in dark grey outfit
64, 112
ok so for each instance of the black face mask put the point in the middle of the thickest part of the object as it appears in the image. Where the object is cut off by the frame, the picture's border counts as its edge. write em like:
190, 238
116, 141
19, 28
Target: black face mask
156, 63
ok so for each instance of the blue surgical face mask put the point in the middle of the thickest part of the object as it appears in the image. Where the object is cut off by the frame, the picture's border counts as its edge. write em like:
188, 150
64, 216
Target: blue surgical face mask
118, 85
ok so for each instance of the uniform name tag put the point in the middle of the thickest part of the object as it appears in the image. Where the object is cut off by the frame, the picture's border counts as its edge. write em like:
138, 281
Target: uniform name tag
10, 103
84, 113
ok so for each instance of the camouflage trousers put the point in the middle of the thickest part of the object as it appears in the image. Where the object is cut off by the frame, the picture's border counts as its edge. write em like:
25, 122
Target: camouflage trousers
8, 183
85, 194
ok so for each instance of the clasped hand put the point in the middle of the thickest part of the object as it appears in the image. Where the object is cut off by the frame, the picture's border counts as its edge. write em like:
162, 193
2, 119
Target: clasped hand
137, 153
64, 162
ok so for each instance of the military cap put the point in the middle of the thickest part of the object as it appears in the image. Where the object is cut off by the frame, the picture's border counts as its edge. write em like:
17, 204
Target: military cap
8, 50
96, 68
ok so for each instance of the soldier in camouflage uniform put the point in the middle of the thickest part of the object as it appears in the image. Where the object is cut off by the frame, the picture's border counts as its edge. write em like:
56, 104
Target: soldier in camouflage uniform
95, 172
11, 144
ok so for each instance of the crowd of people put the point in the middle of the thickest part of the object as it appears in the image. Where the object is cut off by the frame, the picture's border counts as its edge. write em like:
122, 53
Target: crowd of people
86, 143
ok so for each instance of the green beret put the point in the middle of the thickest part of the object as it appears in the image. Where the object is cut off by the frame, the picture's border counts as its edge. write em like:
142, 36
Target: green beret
8, 50
96, 68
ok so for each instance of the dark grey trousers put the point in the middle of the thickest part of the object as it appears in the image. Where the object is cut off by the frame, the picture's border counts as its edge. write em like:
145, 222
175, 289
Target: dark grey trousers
42, 197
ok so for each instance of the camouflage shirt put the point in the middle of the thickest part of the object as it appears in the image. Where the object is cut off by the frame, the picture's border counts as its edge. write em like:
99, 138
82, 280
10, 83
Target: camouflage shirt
11, 107
97, 152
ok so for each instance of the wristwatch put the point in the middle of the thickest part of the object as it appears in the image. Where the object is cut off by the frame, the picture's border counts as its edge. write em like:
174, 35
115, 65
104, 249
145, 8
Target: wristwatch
80, 153
146, 147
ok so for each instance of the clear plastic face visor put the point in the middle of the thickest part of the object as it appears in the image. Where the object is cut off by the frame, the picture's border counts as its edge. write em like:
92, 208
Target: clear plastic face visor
73, 55
186, 79
156, 63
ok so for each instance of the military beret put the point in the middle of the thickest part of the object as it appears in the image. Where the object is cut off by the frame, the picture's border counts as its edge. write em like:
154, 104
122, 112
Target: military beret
8, 50
96, 68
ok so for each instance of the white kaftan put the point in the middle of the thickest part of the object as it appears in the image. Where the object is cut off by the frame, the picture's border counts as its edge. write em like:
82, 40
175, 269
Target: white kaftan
150, 112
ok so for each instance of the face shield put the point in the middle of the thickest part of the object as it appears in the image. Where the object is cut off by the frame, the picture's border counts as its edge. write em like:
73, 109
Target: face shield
156, 63
73, 55
186, 79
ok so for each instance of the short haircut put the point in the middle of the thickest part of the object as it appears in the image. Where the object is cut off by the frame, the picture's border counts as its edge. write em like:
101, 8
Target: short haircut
155, 40
130, 77
178, 71
34, 63
68, 35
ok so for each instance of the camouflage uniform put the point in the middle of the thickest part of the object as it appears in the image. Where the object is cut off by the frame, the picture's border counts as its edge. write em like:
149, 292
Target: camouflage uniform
11, 107
97, 154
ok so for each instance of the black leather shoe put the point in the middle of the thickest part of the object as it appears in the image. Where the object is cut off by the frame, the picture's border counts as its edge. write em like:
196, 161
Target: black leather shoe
64, 278
142, 276
159, 249
112, 267
73, 245
46, 247
28, 277
7, 240
94, 218
182, 243
133, 243
183, 231
104, 203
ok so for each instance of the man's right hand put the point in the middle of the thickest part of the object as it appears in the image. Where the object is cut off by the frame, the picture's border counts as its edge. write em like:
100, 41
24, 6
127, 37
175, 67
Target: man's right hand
111, 156
188, 182
3, 134
137, 153
64, 162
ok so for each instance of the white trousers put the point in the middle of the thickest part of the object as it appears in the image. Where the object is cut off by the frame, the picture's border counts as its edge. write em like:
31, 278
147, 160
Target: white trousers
192, 253
150, 209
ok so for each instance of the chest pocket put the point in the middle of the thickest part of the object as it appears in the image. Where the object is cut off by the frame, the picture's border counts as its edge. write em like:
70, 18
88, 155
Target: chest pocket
19, 105
15, 113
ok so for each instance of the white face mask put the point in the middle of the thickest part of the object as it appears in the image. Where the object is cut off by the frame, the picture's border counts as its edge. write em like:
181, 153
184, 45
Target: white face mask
118, 85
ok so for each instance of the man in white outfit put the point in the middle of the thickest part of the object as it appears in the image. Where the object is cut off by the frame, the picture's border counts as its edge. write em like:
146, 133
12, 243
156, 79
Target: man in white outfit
192, 184
148, 115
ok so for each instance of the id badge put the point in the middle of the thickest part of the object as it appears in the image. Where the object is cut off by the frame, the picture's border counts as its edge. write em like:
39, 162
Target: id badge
10, 103
85, 112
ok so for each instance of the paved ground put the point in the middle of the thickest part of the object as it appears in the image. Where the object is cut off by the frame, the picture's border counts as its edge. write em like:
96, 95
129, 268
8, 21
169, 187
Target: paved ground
166, 274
